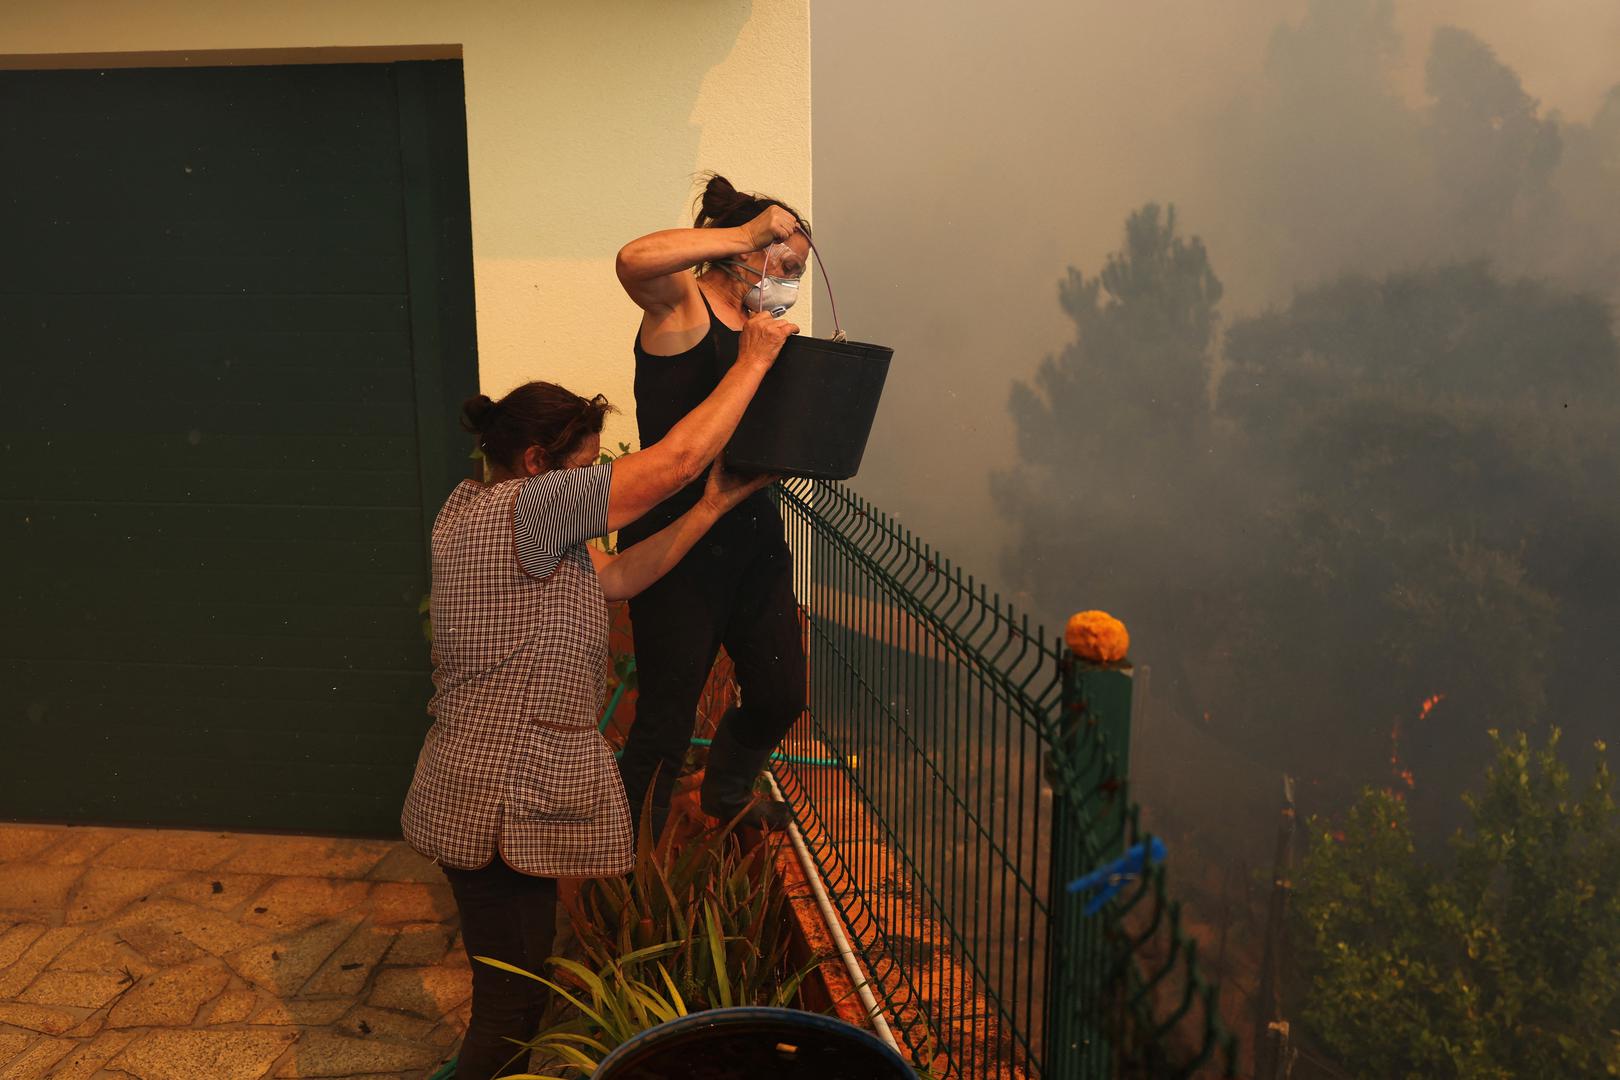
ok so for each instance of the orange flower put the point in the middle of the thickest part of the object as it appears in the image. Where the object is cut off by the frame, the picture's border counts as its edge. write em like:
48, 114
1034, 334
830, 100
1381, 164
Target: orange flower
1097, 636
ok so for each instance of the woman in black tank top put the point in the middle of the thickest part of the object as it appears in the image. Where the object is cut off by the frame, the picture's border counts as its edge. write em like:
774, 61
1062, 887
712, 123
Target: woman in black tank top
696, 288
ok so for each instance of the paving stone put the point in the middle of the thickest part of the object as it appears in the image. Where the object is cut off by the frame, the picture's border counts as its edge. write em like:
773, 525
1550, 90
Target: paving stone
429, 992
152, 910
216, 891
348, 969
80, 844
420, 945
193, 1055
36, 1060
403, 864
303, 1012
13, 1043
46, 1019
171, 849
160, 944
103, 953
283, 965
102, 892
88, 1059
210, 931
15, 941
24, 841
322, 1053
37, 891
297, 903
397, 902
39, 954
232, 1007
80, 989
363, 1021
216, 933
311, 856
171, 997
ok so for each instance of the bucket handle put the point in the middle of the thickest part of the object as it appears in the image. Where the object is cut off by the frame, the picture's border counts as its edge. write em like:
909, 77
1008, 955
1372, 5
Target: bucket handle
838, 329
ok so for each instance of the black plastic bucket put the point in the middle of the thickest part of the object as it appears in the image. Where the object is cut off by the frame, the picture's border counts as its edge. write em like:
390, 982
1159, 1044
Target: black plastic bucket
751, 1044
814, 410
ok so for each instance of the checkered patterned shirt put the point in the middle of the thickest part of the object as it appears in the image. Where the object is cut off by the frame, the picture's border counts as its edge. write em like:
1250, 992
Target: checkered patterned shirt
513, 762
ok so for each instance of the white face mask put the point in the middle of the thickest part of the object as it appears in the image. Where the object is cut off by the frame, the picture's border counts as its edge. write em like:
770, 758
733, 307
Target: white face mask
774, 293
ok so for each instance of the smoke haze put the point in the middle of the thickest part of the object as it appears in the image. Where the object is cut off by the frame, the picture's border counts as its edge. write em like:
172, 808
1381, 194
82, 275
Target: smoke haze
967, 154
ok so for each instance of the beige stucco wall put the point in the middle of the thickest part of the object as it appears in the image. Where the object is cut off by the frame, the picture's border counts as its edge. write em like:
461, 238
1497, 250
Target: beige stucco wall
586, 124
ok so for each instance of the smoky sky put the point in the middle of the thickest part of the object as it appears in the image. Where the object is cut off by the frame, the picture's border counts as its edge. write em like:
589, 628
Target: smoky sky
967, 154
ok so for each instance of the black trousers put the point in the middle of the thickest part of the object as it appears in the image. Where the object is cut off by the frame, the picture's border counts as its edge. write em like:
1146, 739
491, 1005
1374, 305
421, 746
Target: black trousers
735, 588
511, 917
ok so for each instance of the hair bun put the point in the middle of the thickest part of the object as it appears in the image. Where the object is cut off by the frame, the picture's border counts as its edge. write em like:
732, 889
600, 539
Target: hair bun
718, 196
478, 413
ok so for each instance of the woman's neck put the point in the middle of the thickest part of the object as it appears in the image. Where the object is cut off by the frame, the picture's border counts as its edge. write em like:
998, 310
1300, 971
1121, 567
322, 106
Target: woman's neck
500, 476
725, 289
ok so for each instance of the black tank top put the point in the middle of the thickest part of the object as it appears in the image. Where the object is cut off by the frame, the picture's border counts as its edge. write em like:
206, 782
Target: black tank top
669, 387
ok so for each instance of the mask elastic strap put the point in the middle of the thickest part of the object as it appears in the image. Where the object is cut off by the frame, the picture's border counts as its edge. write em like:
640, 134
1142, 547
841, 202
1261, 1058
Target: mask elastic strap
838, 329
732, 266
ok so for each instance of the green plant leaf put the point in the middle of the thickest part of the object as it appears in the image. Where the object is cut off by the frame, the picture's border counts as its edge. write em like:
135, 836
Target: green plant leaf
674, 994
717, 952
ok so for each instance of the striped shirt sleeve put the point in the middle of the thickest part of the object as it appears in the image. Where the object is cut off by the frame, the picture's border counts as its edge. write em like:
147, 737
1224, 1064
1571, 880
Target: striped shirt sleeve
556, 510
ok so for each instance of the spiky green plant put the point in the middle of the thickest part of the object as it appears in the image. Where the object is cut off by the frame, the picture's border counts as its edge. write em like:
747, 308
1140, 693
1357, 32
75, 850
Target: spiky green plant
599, 1010
721, 906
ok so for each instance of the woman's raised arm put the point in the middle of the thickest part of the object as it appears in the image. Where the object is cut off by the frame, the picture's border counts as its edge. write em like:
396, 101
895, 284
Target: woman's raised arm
651, 268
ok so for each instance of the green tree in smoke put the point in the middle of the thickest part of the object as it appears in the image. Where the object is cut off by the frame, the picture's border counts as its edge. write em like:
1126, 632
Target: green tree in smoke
1331, 169
1406, 490
1586, 186
1325, 166
1443, 442
1503, 962
1493, 153
1114, 436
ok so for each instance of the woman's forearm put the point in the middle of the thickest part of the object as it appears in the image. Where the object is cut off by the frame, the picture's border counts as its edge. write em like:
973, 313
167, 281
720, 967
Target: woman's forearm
700, 435
632, 571
644, 479
671, 251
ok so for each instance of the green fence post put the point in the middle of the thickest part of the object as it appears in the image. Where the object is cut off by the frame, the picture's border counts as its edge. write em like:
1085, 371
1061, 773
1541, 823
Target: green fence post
1091, 762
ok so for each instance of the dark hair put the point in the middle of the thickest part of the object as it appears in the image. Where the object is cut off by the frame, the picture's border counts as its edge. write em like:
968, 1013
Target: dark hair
535, 414
722, 206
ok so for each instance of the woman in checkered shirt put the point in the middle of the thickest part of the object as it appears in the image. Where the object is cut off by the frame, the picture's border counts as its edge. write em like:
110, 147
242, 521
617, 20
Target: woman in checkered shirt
515, 787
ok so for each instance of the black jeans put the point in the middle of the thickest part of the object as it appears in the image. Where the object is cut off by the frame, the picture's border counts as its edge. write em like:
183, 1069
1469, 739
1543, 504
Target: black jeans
511, 917
734, 588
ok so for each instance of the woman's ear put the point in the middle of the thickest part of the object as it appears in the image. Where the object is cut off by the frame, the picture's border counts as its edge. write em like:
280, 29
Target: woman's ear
534, 461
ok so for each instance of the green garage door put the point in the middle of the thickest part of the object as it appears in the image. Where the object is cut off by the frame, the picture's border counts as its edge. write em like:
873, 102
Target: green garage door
235, 328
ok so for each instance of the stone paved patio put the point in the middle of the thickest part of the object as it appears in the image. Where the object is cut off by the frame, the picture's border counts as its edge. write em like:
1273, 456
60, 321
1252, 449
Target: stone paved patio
178, 955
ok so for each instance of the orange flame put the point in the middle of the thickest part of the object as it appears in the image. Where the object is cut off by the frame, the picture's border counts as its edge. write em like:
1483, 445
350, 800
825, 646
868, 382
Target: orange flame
1400, 771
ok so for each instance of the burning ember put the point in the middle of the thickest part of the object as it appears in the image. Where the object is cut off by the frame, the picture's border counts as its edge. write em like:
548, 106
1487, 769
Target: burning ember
1396, 766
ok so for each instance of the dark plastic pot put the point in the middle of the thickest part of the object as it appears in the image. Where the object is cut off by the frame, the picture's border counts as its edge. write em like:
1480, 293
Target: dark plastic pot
751, 1044
813, 412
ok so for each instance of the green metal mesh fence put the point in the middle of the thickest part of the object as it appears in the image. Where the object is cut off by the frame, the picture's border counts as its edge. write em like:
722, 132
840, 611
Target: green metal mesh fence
980, 769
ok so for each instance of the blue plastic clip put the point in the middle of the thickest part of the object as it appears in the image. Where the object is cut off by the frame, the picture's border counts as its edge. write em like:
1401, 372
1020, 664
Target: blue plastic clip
1119, 873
